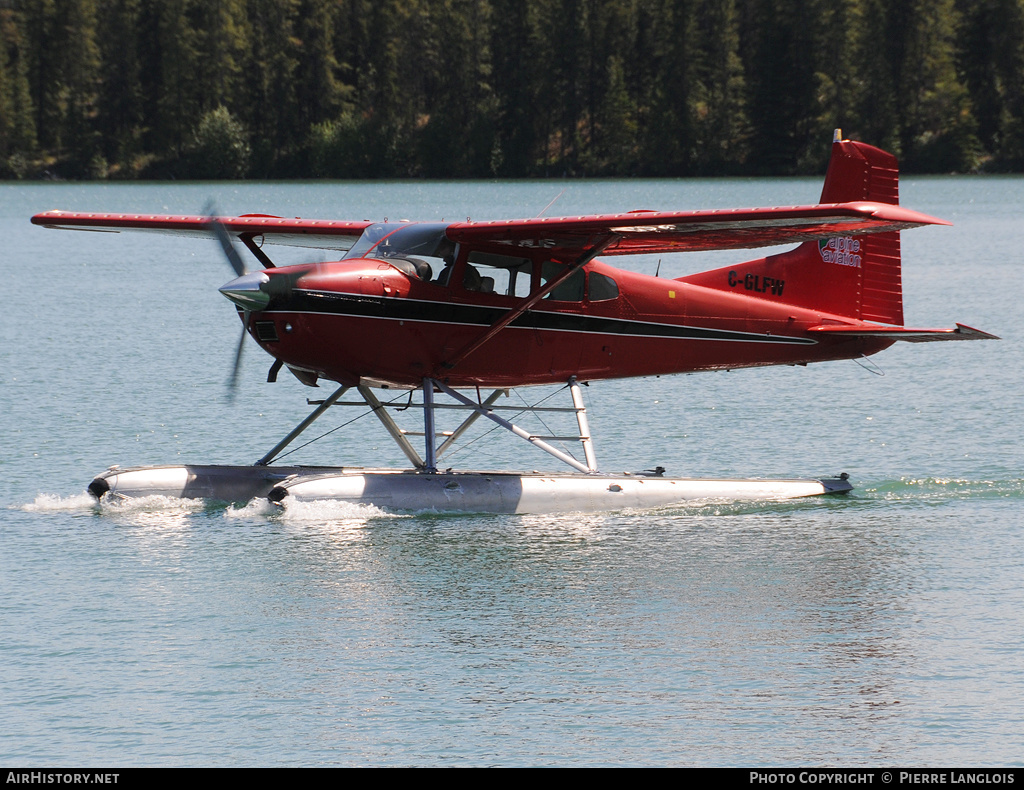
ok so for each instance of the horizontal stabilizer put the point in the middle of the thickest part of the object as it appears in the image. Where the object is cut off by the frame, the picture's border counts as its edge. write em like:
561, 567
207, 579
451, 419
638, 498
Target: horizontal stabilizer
909, 334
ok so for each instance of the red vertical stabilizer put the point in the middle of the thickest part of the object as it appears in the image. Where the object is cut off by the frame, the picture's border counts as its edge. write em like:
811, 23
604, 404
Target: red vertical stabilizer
854, 276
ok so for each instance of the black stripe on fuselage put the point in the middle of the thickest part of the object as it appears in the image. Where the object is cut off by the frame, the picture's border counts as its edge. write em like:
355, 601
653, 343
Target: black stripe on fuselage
331, 303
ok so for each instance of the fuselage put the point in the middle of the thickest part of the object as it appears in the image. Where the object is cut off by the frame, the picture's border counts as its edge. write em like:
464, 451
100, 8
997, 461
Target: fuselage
371, 318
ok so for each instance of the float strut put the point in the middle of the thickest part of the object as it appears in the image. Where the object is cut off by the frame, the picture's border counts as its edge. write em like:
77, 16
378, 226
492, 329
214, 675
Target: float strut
534, 440
429, 431
581, 420
265, 460
392, 427
469, 421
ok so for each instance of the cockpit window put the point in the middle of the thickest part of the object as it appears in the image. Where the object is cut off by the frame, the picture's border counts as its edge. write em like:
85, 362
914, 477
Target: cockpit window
569, 290
601, 288
417, 249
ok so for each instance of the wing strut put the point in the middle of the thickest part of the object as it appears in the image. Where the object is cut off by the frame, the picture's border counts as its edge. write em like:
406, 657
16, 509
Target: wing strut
259, 254
531, 300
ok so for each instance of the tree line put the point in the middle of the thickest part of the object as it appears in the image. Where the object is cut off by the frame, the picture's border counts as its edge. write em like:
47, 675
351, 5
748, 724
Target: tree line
503, 88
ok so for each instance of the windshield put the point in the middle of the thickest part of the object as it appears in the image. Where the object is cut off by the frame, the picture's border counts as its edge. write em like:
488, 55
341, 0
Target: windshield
403, 240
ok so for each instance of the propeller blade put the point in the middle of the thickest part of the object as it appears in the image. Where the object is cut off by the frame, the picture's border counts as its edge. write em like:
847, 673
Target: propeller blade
283, 284
222, 235
235, 260
233, 379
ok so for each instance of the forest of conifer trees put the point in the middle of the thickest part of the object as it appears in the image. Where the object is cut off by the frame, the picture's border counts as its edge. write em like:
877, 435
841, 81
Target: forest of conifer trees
129, 89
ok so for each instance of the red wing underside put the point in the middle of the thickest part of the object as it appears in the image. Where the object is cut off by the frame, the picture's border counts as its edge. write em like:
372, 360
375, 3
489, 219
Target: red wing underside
664, 232
637, 233
314, 233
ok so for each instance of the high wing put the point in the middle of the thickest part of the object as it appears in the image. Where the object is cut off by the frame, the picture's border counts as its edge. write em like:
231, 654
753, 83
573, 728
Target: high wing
624, 234
314, 233
661, 232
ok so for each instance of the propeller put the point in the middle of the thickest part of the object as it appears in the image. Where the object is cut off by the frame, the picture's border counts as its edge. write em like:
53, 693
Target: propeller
250, 290
222, 235
235, 261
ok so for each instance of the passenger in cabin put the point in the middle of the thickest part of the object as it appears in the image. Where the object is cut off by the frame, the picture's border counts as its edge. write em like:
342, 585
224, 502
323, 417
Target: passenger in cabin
445, 273
423, 270
471, 280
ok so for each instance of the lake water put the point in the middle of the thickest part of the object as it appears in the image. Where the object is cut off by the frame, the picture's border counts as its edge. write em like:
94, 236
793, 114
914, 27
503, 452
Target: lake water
882, 628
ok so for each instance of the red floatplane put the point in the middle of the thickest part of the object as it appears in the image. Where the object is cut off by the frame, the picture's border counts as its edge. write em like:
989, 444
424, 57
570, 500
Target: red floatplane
450, 308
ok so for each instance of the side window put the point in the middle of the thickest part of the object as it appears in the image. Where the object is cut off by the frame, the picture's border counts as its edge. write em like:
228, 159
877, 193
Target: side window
504, 275
569, 290
602, 287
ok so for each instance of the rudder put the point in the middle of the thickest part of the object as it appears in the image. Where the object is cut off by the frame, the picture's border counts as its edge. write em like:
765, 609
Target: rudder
858, 171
